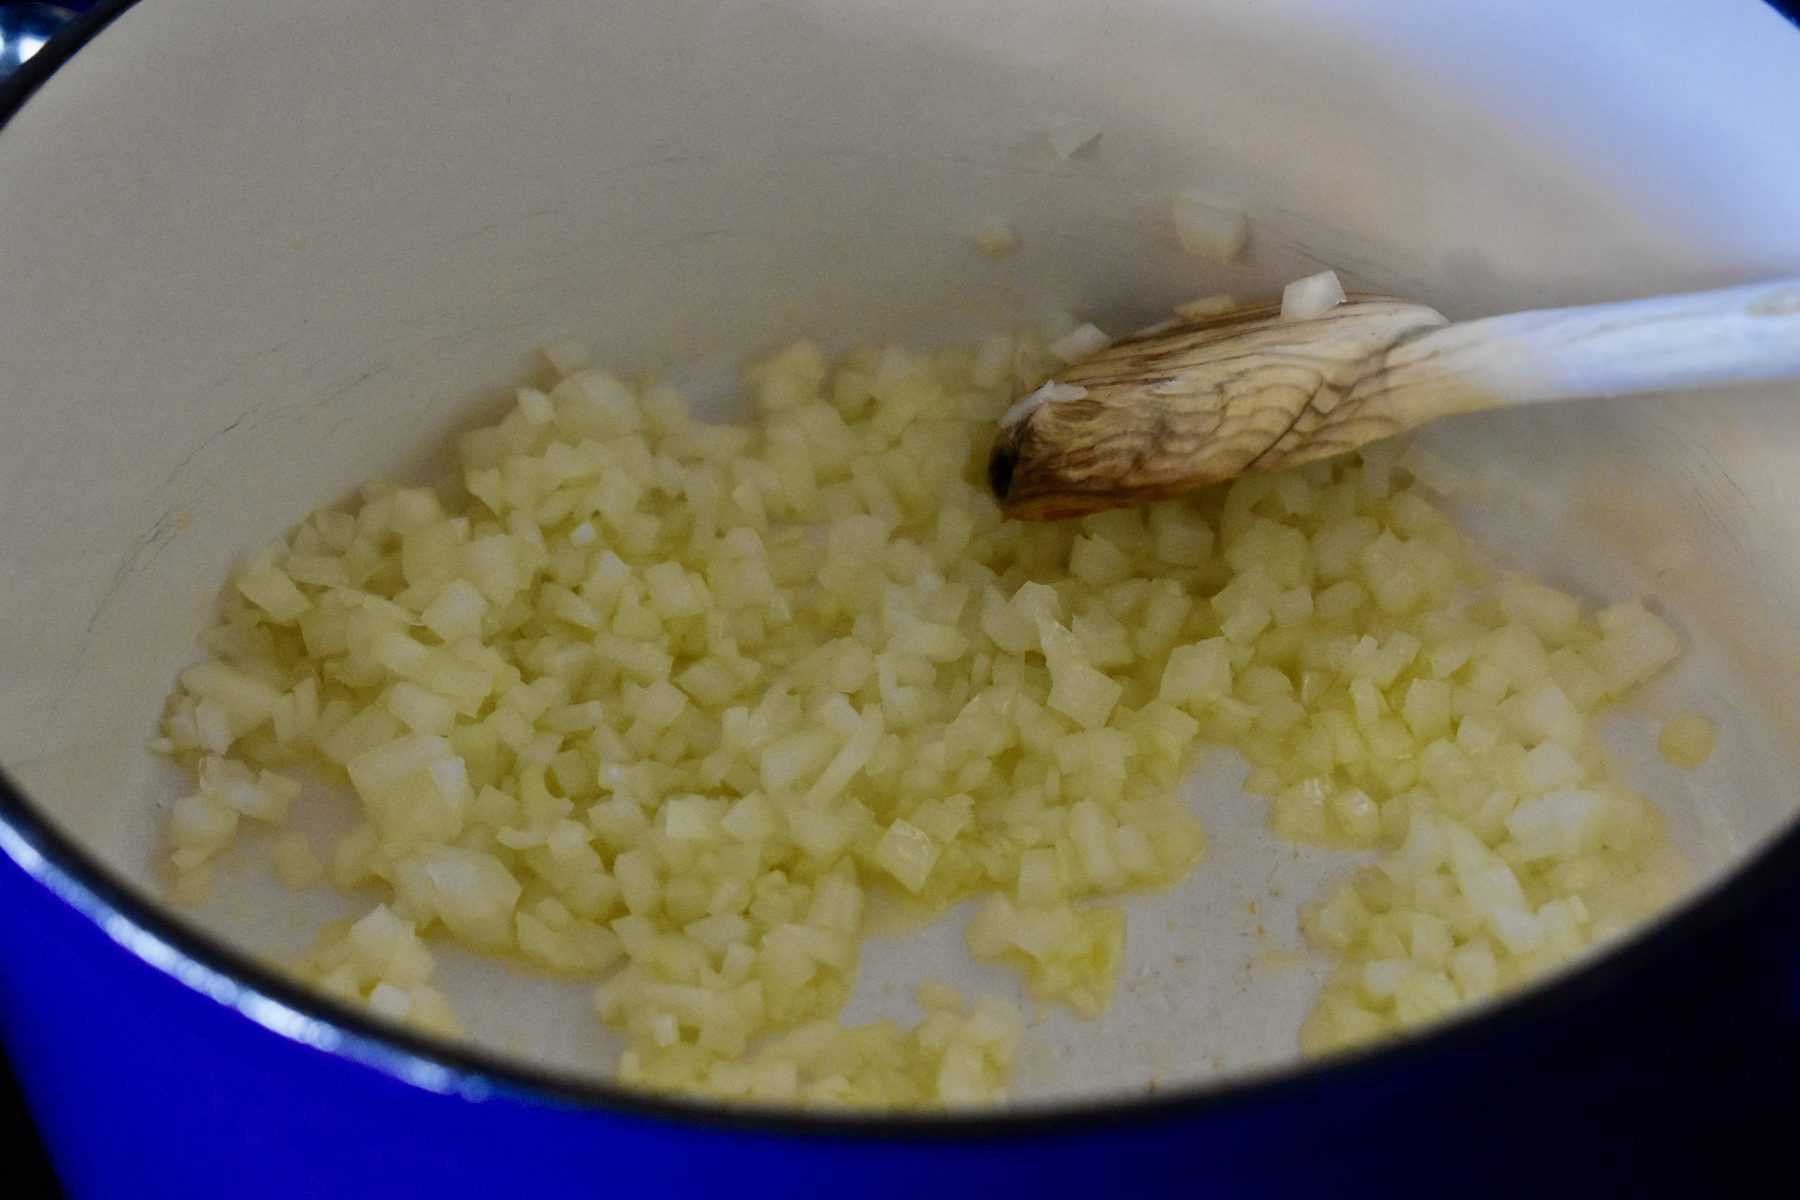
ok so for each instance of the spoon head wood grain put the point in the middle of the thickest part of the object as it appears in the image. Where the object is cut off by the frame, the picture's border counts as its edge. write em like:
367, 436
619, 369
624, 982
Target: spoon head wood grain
1195, 402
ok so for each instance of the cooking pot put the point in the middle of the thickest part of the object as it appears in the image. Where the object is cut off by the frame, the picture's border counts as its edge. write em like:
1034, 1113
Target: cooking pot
257, 254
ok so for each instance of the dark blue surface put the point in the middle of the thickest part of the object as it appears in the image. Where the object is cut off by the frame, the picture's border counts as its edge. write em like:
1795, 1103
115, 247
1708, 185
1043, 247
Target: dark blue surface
26, 27
1673, 1063
26, 1162
1651, 1067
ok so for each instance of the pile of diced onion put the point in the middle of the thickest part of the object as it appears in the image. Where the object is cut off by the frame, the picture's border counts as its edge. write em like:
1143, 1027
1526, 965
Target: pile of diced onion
663, 704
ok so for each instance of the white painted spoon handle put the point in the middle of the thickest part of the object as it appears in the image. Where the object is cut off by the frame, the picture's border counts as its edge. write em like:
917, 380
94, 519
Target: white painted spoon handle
1735, 335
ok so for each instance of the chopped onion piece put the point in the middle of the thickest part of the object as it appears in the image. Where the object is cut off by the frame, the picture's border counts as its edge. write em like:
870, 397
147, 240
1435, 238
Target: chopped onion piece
1311, 296
996, 237
1687, 740
1079, 343
1206, 306
567, 355
1048, 392
1208, 229
1070, 135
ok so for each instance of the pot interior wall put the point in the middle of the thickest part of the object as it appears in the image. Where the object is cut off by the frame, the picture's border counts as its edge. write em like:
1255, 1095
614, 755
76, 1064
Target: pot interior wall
259, 256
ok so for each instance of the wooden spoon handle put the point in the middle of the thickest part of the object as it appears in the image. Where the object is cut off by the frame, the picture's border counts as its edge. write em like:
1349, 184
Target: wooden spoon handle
1665, 343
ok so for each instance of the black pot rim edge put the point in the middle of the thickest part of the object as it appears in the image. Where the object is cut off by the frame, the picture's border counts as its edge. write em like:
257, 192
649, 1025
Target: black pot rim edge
202, 962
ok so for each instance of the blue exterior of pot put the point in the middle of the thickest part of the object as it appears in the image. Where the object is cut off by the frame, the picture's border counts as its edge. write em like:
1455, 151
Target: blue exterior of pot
159, 1064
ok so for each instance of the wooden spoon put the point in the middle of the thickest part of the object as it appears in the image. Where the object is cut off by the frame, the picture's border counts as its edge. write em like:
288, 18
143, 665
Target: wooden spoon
1194, 402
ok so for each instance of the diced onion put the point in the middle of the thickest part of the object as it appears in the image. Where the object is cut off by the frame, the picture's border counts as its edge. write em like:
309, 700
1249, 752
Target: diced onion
1311, 296
1209, 229
567, 355
1206, 306
660, 704
1070, 135
1079, 343
1022, 407
996, 237
1687, 740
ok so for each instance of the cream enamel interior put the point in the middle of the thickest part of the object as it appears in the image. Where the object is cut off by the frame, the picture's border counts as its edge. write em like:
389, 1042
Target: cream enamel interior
257, 257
